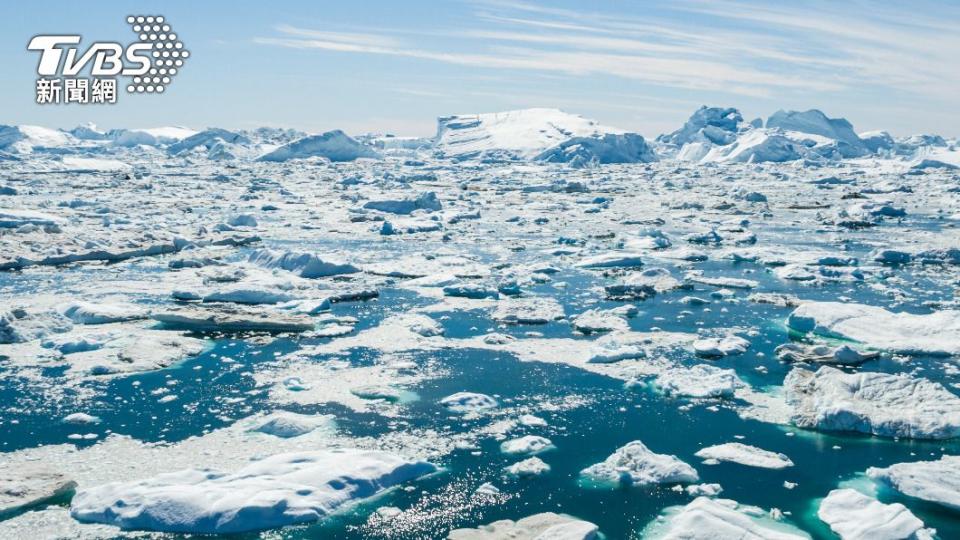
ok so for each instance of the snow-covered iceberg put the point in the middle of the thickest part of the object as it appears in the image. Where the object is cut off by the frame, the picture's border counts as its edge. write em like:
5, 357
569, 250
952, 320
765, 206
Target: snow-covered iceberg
745, 454
280, 490
814, 122
936, 482
635, 464
874, 403
522, 134
855, 516
334, 145
719, 519
545, 526
602, 149
936, 333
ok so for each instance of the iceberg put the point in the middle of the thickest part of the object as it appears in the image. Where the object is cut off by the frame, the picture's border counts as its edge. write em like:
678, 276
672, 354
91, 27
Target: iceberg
427, 201
875, 403
279, 490
936, 482
855, 516
334, 145
635, 464
545, 526
468, 402
716, 125
745, 454
305, 265
602, 149
522, 134
814, 122
207, 138
528, 468
528, 444
937, 333
699, 381
719, 519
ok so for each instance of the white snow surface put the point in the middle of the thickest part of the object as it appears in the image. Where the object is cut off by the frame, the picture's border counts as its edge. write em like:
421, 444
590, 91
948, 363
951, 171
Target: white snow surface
855, 516
279, 490
904, 333
935, 481
875, 403
745, 454
635, 464
719, 519
545, 526
525, 133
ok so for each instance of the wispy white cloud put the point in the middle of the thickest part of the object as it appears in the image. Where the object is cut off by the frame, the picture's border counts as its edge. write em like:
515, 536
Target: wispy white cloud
727, 47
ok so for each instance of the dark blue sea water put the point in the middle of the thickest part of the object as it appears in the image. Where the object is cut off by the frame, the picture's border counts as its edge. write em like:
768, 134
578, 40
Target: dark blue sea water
610, 417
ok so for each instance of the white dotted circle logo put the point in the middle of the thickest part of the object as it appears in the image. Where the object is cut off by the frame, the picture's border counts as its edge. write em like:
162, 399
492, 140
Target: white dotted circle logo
166, 56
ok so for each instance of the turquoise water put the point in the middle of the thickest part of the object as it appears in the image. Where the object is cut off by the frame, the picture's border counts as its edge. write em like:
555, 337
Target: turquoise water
610, 416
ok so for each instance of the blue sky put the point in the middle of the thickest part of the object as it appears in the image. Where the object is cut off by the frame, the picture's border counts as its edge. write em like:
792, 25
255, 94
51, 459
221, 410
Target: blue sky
395, 66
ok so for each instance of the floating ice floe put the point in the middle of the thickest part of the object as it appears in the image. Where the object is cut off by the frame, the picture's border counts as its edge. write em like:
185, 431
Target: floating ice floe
718, 347
598, 321
12, 218
280, 490
855, 516
81, 418
874, 403
468, 402
823, 354
903, 333
528, 444
23, 487
287, 424
936, 482
643, 284
699, 381
232, 319
733, 283
305, 265
105, 349
427, 201
532, 310
528, 468
612, 260
745, 455
635, 464
82, 312
719, 519
545, 526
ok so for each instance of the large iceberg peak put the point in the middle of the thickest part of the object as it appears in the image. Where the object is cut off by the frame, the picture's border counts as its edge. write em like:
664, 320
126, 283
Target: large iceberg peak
815, 122
523, 133
717, 125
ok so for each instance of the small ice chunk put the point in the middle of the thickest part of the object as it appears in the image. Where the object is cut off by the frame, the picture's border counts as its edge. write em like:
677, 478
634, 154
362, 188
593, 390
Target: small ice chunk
635, 464
528, 444
745, 455
545, 526
287, 424
465, 402
718, 347
81, 418
527, 468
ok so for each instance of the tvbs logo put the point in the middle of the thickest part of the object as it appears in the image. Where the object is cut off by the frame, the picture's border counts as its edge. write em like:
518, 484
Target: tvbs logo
148, 64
